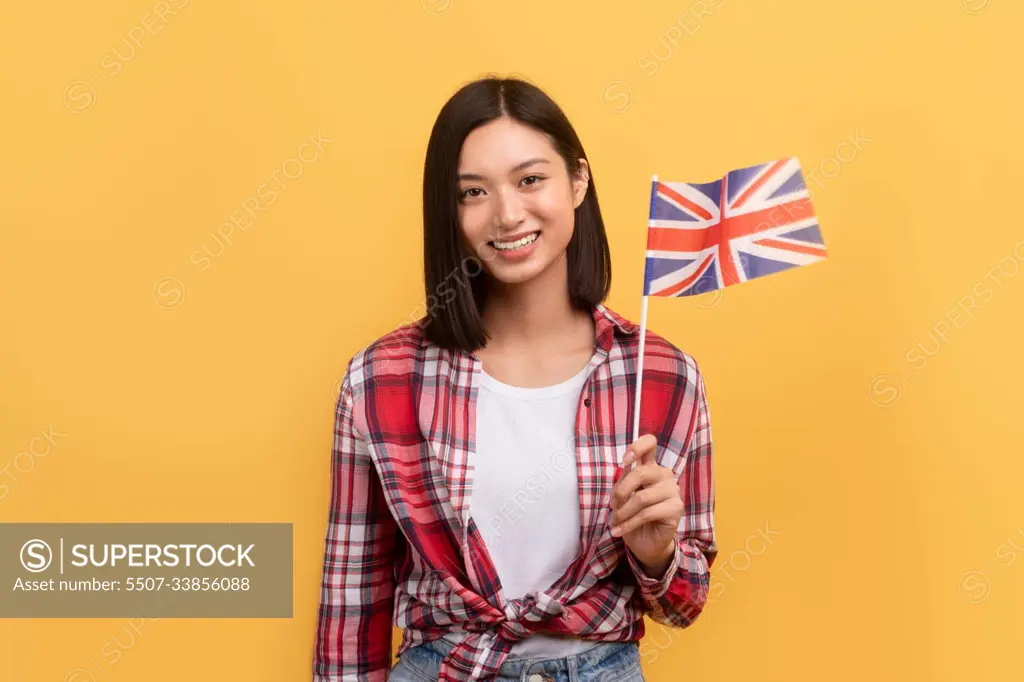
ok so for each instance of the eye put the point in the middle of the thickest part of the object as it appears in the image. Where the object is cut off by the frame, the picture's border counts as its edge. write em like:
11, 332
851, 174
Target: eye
469, 193
536, 179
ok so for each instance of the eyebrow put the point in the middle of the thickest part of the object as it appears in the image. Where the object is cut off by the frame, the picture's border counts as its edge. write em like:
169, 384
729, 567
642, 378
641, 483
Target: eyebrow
518, 167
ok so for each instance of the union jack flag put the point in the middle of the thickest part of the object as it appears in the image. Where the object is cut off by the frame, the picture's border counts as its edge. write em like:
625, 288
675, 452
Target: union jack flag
753, 222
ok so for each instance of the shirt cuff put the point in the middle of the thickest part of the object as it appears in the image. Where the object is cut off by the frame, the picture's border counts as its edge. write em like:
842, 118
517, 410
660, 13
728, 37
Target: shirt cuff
654, 587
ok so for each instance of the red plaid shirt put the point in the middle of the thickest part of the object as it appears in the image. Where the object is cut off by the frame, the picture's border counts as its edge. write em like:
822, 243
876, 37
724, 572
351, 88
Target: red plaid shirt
403, 550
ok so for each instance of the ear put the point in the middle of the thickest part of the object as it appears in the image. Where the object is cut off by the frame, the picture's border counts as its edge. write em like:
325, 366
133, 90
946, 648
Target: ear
580, 183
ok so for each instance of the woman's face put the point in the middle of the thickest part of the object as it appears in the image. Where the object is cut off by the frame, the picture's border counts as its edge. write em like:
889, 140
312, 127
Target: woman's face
516, 199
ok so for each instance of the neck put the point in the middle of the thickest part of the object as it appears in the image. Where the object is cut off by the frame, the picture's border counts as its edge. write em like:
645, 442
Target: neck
537, 312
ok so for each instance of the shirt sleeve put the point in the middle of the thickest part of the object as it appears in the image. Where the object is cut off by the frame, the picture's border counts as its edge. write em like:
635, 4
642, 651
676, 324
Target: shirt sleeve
679, 595
354, 626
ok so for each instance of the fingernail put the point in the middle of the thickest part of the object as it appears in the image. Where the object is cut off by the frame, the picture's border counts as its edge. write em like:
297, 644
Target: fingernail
615, 531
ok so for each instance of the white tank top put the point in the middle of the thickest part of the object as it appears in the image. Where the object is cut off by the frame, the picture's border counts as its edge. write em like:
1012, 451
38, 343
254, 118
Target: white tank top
525, 493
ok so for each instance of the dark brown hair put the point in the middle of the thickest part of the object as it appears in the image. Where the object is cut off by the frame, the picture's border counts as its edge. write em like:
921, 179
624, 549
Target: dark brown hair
453, 275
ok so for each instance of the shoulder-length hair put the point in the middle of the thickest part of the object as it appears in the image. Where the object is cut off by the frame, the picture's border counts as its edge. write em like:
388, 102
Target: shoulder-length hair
454, 277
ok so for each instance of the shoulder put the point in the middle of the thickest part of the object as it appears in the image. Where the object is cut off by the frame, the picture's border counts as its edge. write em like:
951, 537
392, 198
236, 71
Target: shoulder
673, 401
396, 353
661, 356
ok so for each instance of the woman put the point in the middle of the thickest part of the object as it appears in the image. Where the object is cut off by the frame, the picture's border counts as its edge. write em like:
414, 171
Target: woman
485, 496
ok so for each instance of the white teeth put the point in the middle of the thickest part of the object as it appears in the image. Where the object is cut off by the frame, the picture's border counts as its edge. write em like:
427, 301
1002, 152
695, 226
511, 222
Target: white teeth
518, 244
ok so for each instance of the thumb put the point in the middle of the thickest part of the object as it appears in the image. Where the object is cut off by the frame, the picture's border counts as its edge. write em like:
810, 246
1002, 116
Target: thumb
642, 450
647, 448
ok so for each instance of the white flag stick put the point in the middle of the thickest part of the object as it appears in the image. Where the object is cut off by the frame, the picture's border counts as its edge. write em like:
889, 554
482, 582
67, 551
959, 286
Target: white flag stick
643, 338
639, 372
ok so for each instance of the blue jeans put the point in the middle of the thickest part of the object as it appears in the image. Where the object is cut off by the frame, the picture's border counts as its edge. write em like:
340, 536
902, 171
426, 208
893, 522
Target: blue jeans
605, 662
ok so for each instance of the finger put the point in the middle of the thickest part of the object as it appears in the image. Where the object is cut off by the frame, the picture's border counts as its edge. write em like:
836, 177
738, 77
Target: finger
664, 490
646, 474
666, 510
630, 482
650, 449
639, 448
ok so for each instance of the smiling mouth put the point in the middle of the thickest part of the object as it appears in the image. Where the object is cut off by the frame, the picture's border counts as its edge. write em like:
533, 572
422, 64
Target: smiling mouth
512, 245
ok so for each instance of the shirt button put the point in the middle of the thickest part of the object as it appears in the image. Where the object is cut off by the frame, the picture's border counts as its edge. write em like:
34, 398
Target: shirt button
586, 402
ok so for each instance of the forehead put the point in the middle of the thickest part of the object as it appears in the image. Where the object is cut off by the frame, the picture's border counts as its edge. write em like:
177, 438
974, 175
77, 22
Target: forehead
500, 145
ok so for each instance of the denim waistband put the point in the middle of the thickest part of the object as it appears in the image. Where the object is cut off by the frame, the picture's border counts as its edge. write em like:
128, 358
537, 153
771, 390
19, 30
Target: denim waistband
519, 667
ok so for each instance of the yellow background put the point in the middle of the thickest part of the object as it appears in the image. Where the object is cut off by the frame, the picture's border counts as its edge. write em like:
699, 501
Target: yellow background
888, 488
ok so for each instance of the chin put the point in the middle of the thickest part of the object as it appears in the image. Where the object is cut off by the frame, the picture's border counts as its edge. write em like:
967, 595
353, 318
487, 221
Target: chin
520, 273
514, 278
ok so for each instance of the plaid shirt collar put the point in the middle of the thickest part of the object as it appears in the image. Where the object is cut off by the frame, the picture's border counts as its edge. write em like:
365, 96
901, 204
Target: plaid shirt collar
607, 325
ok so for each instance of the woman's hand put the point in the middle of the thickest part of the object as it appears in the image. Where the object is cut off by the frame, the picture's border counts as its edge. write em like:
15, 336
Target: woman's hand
647, 507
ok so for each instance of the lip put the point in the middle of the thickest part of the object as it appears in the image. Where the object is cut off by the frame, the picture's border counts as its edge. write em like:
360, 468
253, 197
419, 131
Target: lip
514, 237
519, 254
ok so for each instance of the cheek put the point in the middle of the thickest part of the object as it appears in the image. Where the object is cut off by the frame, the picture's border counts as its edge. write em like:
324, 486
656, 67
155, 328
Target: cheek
555, 208
473, 221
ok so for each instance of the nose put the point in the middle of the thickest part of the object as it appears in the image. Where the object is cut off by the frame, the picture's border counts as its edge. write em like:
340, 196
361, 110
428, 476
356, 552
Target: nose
510, 211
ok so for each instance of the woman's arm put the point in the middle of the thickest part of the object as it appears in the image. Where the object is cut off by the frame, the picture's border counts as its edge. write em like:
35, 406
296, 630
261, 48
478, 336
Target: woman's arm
678, 596
353, 634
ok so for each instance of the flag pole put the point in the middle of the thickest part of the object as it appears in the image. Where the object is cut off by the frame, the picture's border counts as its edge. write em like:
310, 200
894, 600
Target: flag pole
639, 371
643, 327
